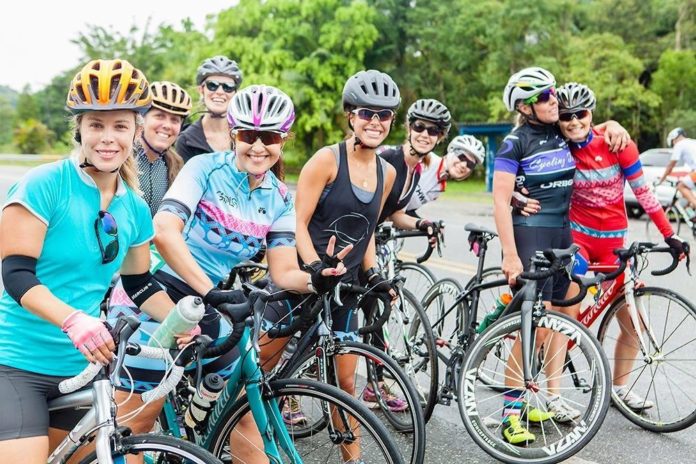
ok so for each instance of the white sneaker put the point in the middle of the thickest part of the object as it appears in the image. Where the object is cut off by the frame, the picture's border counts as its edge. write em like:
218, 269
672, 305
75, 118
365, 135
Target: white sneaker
563, 412
632, 400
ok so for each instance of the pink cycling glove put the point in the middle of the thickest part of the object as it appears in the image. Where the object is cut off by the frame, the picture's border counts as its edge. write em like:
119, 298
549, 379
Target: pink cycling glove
86, 332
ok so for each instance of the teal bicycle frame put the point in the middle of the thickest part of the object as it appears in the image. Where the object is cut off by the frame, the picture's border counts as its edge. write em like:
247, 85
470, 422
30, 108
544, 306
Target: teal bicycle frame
248, 374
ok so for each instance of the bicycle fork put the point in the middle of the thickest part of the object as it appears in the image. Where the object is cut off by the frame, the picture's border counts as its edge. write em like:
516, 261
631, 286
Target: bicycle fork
639, 319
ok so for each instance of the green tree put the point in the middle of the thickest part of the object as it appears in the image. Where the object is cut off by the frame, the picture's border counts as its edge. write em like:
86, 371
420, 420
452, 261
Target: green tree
309, 53
27, 106
51, 102
674, 81
32, 136
7, 118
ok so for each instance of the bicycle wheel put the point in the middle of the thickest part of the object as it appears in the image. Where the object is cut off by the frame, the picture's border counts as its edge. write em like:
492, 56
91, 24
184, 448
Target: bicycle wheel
418, 277
662, 375
159, 449
586, 389
407, 427
412, 344
437, 301
314, 398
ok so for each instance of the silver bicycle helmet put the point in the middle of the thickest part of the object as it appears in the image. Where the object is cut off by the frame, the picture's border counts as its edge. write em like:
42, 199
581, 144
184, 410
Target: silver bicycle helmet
525, 84
429, 109
219, 65
467, 144
372, 89
573, 96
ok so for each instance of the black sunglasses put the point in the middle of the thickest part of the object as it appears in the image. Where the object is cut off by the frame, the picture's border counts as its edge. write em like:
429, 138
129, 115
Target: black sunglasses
470, 164
107, 224
367, 114
432, 130
214, 85
251, 136
580, 114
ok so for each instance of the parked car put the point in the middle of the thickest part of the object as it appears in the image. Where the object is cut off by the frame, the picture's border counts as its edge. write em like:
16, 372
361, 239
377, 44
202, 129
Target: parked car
654, 161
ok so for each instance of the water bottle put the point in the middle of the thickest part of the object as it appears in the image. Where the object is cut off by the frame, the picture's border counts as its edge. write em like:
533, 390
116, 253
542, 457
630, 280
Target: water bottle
203, 400
500, 303
288, 352
182, 318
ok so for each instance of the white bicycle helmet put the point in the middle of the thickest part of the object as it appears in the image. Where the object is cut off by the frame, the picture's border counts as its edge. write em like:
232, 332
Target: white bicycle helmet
525, 84
673, 134
467, 144
261, 107
573, 96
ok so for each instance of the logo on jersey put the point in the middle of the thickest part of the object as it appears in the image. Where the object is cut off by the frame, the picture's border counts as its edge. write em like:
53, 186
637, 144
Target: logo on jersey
228, 200
557, 184
549, 161
262, 210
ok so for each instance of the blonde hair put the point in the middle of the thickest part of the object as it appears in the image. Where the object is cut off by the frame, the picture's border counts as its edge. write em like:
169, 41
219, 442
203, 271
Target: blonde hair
128, 170
174, 163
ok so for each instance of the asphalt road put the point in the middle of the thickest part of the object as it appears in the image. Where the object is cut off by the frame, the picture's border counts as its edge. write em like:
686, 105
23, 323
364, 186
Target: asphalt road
618, 442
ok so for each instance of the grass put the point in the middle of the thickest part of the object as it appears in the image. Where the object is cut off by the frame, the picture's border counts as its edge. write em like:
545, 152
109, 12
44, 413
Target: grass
473, 190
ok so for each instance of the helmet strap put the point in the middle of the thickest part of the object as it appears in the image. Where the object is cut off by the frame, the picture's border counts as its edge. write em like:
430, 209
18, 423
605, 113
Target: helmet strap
412, 151
216, 115
87, 164
151, 148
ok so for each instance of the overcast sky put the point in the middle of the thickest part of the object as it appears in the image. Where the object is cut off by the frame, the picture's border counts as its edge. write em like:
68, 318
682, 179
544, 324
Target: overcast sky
35, 36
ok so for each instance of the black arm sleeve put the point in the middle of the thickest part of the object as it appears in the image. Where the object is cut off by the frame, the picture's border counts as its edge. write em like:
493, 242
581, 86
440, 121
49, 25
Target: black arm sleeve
140, 287
19, 275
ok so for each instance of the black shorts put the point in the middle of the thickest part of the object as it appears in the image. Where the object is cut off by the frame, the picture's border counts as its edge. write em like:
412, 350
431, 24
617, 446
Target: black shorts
529, 240
24, 398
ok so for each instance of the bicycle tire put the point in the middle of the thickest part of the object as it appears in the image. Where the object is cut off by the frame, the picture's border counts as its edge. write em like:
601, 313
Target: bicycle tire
660, 417
555, 441
398, 382
384, 446
155, 445
418, 278
415, 352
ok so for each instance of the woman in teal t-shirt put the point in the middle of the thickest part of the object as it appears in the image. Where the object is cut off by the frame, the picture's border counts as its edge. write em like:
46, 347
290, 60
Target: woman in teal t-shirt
66, 228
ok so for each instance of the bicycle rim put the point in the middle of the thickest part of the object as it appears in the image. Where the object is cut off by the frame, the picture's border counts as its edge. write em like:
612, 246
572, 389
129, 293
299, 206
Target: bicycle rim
588, 391
158, 449
407, 427
662, 375
365, 431
418, 277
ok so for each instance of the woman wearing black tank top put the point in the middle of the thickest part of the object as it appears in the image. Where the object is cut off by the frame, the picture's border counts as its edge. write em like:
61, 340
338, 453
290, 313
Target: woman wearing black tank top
341, 191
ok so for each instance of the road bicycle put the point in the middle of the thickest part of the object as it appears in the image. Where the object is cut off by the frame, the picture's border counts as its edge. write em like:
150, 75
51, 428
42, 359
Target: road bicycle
664, 351
475, 362
677, 211
405, 336
114, 443
349, 430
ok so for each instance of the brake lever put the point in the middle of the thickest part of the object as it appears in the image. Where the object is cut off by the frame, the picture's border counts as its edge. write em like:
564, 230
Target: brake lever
337, 295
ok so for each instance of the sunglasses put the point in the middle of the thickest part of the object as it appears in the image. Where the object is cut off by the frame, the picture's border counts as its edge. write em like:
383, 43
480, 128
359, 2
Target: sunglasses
107, 224
420, 127
367, 114
542, 97
579, 114
214, 85
266, 137
470, 164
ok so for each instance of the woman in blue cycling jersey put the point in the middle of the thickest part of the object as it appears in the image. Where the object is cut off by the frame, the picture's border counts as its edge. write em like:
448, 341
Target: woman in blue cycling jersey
217, 213
66, 228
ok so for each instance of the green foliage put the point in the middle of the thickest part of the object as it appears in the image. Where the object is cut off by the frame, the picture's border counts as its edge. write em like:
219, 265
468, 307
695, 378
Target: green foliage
308, 54
685, 118
637, 55
7, 118
32, 136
